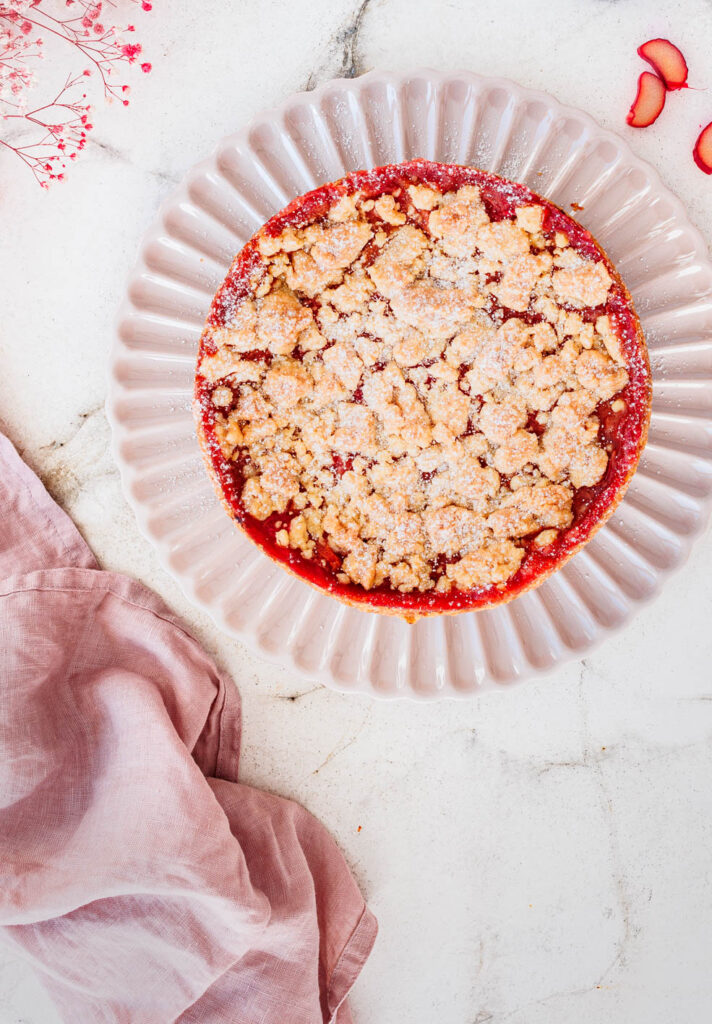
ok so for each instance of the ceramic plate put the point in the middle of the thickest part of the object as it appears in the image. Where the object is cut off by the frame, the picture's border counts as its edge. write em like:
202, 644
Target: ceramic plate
316, 137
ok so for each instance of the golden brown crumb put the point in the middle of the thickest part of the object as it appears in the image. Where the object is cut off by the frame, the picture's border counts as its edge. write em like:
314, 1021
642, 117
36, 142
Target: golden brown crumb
395, 418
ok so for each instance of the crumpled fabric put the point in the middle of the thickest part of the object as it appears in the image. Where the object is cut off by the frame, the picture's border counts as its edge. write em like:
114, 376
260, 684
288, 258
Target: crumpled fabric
145, 883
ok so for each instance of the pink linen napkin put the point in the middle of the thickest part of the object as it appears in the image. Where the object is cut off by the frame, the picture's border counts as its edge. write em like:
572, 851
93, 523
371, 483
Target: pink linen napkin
141, 879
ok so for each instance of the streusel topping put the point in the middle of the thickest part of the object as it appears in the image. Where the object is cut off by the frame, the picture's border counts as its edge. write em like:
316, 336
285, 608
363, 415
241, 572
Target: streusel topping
412, 391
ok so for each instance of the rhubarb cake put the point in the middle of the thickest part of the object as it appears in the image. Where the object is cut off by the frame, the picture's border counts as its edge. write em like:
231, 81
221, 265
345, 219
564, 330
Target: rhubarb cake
422, 388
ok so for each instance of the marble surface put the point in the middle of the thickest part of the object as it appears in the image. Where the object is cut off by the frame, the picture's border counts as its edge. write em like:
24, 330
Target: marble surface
539, 855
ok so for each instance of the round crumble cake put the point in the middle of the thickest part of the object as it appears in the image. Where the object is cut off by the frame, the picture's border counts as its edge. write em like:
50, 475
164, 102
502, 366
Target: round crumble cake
421, 388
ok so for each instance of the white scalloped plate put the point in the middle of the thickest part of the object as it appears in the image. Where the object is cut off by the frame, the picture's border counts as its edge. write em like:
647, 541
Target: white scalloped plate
317, 137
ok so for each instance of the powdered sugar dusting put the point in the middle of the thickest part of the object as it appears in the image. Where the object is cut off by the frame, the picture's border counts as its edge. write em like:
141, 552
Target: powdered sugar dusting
415, 380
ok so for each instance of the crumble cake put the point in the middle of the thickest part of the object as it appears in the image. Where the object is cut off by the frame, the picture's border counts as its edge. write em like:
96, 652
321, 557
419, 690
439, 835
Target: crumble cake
421, 388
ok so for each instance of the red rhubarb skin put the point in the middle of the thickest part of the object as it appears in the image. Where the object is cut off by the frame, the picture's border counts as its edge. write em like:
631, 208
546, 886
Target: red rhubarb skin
625, 433
702, 153
671, 84
647, 83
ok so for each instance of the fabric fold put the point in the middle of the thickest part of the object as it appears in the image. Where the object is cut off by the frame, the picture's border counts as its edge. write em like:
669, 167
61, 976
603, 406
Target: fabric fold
142, 880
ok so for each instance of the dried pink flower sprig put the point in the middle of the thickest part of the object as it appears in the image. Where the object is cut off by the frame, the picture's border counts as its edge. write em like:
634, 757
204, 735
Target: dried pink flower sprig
59, 127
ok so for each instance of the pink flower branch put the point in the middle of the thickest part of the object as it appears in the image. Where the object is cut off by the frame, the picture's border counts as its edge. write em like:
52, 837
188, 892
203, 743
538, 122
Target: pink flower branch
63, 120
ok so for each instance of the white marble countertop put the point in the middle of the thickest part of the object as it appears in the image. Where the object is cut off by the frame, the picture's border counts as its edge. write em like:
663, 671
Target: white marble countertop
535, 856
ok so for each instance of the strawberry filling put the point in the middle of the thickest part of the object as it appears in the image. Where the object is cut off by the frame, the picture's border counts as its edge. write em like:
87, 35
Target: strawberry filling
622, 424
